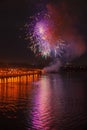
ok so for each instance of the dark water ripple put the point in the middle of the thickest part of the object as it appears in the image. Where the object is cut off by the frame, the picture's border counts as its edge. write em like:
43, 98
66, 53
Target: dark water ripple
49, 102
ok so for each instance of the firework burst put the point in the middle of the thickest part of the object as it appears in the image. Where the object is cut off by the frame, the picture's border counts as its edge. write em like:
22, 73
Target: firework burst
41, 34
51, 34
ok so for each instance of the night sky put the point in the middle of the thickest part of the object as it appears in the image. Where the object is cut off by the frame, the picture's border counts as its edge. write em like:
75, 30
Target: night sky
13, 17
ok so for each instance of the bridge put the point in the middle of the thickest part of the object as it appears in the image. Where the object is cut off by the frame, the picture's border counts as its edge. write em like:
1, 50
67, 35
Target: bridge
6, 74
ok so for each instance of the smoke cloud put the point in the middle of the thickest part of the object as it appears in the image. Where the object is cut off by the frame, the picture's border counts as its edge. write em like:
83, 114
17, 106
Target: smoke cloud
64, 27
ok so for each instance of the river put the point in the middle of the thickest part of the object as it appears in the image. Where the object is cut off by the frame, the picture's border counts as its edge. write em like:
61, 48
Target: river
44, 102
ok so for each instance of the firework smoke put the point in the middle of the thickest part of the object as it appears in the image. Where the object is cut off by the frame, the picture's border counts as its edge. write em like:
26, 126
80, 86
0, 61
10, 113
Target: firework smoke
53, 34
54, 67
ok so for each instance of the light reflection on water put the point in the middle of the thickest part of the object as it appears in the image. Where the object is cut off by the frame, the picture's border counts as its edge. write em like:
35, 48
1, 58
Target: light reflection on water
47, 102
45, 107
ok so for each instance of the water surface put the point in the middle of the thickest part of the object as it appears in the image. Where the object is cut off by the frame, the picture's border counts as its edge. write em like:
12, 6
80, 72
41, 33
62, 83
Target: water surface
47, 102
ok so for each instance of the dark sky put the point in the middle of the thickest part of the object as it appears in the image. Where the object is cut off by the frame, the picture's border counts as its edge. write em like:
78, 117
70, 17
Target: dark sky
13, 16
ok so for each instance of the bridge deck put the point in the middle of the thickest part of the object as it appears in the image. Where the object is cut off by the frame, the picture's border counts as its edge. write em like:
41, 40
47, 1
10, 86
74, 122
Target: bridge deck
19, 73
